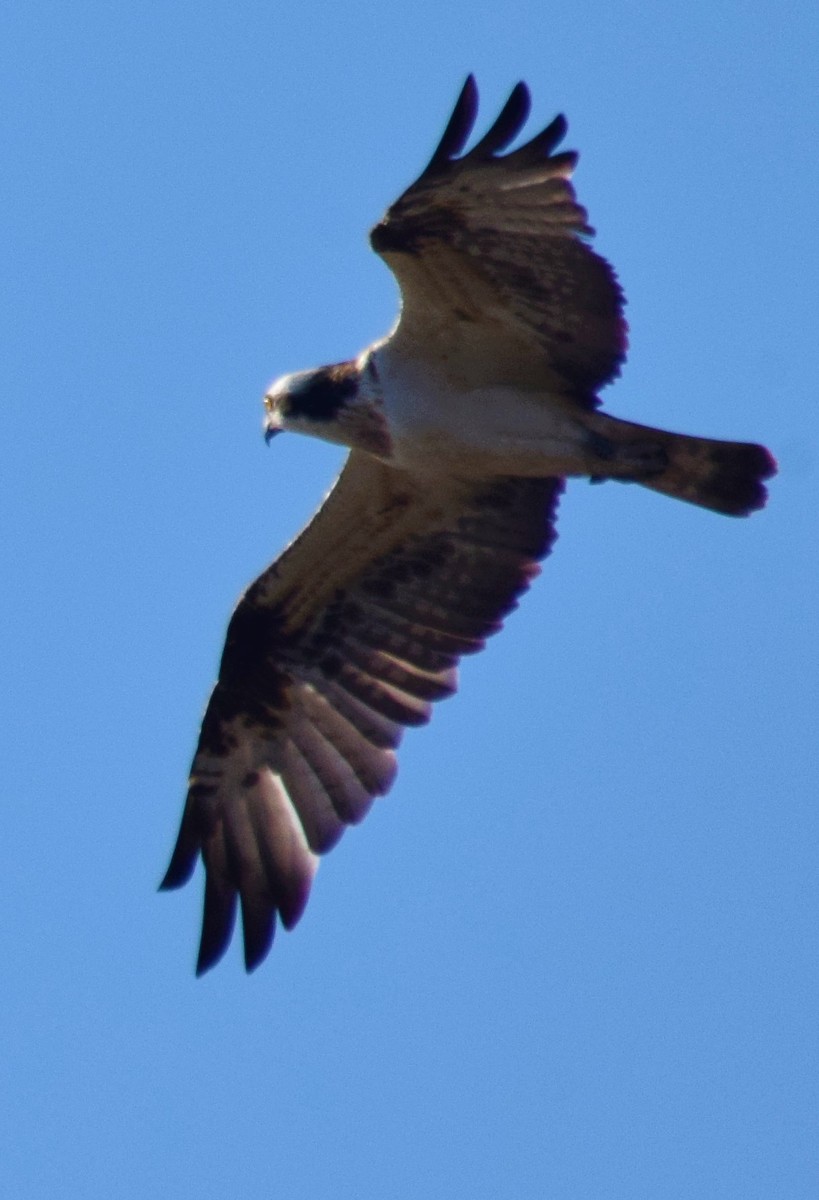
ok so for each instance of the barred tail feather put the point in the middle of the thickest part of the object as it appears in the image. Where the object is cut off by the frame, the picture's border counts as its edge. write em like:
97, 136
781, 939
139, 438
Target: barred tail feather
726, 477
723, 476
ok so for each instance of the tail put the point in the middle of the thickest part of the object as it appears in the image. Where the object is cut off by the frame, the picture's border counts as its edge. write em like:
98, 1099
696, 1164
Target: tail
723, 476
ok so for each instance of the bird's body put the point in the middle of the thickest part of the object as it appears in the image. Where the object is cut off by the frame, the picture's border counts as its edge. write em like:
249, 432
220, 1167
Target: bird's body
429, 423
463, 424
433, 423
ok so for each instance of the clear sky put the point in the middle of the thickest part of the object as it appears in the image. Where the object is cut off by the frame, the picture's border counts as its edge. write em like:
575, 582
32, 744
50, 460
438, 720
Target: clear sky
574, 953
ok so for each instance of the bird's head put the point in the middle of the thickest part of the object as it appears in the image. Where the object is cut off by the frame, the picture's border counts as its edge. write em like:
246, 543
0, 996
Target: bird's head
311, 402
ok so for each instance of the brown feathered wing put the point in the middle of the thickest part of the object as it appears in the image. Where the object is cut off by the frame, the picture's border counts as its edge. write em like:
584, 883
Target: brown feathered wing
492, 257
349, 637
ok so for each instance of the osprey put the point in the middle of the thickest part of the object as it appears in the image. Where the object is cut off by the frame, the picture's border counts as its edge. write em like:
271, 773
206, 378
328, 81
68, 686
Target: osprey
463, 424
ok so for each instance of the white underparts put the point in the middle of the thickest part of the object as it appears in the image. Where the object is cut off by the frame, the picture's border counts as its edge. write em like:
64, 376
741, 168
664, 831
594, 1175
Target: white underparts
434, 428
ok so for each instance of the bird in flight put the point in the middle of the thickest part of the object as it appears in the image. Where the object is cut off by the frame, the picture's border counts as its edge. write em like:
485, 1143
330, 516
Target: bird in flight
463, 424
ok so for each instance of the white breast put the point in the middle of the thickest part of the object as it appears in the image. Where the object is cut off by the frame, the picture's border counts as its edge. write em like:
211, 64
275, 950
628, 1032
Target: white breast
435, 425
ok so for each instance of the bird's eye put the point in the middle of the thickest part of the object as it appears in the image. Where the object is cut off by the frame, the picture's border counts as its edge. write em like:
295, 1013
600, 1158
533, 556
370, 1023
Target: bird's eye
268, 404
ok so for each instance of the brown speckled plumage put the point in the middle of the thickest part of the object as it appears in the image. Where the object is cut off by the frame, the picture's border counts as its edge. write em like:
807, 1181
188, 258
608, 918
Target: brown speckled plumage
438, 521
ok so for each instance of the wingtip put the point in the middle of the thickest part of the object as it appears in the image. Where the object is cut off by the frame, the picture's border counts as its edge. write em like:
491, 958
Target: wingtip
258, 930
218, 921
506, 126
458, 128
209, 955
521, 91
258, 935
180, 869
255, 958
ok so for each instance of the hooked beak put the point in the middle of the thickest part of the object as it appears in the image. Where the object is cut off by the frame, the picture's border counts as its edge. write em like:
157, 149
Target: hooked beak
272, 423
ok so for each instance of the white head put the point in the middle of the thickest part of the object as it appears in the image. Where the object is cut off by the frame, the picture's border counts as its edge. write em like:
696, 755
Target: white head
311, 402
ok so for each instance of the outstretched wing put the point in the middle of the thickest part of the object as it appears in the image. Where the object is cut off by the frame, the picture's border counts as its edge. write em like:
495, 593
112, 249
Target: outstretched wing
338, 646
495, 271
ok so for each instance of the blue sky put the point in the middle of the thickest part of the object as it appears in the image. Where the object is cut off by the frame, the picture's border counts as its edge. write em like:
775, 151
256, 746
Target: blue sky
574, 952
